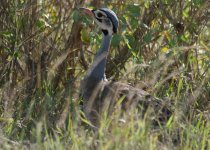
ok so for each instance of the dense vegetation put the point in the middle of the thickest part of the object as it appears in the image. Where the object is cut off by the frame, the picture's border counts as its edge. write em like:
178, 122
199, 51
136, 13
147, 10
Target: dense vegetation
162, 46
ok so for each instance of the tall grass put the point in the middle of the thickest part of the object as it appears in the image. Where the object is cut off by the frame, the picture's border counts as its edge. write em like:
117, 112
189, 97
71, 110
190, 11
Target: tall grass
46, 46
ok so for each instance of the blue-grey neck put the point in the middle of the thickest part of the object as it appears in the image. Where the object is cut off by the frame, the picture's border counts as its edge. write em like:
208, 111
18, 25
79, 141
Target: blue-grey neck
98, 67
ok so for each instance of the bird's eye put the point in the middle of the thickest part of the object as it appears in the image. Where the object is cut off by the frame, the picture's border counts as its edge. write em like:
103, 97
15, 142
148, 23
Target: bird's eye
99, 15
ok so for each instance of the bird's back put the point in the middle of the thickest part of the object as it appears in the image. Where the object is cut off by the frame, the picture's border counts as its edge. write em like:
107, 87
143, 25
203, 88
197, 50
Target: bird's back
107, 96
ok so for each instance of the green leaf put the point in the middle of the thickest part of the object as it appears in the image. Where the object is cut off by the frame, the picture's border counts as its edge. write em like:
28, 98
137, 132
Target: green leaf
130, 38
75, 15
134, 53
198, 2
7, 34
85, 36
40, 24
172, 43
146, 4
116, 40
134, 10
148, 37
134, 22
169, 123
123, 24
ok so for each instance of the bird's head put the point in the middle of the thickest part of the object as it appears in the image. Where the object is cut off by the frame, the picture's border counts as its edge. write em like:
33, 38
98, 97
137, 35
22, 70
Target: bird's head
105, 18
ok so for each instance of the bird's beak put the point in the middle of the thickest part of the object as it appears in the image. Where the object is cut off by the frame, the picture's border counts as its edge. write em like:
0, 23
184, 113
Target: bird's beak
86, 11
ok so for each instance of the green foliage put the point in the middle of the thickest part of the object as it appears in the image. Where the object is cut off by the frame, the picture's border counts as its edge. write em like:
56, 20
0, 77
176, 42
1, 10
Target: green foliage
161, 46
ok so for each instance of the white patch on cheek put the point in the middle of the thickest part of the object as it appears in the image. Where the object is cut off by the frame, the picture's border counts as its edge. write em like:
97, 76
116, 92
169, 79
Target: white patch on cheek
104, 26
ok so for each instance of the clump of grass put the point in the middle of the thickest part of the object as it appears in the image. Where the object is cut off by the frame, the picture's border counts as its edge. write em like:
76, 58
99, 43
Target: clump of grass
43, 58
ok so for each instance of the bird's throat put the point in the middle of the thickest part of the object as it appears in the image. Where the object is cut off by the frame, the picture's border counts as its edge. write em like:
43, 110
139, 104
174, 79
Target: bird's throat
98, 67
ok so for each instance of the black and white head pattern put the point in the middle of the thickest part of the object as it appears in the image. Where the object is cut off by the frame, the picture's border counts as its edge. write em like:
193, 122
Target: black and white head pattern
106, 20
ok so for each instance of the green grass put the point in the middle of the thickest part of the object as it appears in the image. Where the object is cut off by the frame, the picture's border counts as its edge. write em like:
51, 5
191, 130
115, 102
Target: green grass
127, 132
187, 128
45, 49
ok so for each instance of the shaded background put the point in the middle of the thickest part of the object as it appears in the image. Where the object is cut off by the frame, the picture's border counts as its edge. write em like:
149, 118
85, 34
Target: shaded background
162, 46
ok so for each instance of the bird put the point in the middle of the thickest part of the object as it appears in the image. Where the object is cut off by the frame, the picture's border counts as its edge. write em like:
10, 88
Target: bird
99, 94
